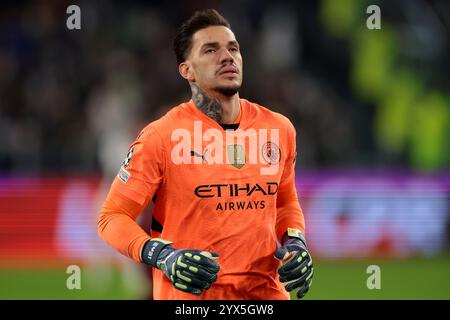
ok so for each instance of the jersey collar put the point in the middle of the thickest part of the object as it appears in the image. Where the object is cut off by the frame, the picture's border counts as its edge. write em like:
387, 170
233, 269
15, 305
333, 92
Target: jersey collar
198, 115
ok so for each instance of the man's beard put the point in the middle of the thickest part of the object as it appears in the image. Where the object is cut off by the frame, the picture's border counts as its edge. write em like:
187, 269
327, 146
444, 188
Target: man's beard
228, 91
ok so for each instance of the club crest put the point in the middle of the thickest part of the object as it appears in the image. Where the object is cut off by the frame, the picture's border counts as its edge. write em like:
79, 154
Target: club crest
271, 153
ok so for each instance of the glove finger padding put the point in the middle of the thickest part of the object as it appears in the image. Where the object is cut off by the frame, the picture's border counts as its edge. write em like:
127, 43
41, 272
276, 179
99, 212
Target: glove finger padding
295, 273
303, 291
198, 265
202, 273
186, 287
299, 258
204, 259
294, 284
193, 279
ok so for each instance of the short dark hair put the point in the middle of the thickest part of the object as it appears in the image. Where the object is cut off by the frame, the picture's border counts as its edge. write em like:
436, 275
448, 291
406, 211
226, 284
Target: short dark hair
182, 43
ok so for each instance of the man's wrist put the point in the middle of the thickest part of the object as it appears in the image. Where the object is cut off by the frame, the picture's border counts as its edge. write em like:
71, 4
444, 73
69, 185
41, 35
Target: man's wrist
152, 249
293, 234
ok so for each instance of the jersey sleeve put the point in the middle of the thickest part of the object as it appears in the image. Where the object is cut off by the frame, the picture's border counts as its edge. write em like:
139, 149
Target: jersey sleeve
143, 169
289, 212
131, 191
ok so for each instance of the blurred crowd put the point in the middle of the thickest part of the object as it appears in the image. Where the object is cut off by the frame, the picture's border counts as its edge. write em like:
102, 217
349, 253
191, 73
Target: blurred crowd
71, 101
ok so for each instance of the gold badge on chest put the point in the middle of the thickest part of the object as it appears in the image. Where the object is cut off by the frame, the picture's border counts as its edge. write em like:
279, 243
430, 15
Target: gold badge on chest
236, 155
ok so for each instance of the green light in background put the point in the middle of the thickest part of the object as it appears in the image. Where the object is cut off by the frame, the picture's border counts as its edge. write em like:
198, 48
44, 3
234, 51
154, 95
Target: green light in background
429, 132
340, 17
394, 113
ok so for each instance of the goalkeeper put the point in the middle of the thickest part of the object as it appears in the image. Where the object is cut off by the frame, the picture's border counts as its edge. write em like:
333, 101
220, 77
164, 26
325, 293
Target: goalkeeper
223, 227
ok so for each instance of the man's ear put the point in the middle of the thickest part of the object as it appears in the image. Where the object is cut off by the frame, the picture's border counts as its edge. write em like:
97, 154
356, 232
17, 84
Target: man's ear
186, 71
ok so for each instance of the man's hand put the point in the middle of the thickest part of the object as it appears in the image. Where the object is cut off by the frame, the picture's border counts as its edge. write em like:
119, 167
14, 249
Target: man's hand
189, 270
297, 266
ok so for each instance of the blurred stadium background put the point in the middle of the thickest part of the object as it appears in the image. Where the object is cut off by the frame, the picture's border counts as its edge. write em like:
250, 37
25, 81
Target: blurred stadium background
371, 108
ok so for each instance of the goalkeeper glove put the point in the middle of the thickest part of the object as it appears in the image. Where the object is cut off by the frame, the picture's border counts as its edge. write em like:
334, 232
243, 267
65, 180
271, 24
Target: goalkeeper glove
188, 270
297, 266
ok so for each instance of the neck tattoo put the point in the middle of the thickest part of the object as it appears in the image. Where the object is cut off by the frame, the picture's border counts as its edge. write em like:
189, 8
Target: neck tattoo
209, 106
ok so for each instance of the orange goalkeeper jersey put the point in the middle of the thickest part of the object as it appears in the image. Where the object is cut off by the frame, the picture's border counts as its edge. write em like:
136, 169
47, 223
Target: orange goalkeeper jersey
234, 195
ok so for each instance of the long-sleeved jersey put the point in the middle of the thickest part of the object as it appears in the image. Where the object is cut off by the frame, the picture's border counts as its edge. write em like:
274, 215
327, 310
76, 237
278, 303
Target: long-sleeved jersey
231, 192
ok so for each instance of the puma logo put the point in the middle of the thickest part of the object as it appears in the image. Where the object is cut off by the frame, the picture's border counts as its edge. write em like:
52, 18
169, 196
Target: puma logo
196, 154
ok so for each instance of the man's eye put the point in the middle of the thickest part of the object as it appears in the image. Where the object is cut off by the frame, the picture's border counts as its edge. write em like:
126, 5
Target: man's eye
234, 49
210, 51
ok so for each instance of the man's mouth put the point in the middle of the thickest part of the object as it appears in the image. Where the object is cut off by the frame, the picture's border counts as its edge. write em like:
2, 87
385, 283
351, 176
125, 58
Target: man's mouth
228, 70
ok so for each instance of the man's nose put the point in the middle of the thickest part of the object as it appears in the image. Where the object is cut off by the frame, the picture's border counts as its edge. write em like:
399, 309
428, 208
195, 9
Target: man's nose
225, 56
